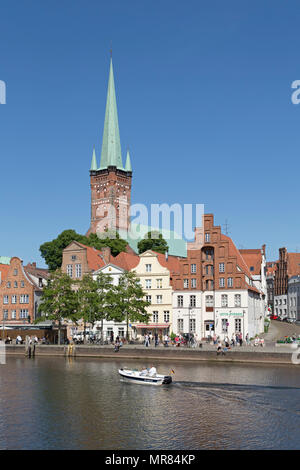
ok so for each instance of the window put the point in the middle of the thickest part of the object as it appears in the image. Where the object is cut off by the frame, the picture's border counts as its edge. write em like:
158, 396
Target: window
224, 300
221, 267
70, 270
237, 300
207, 237
13, 299
185, 283
40, 282
166, 316
148, 268
22, 283
24, 299
192, 325
159, 299
8, 284
159, 283
251, 268
78, 270
222, 282
194, 283
230, 282
193, 268
179, 300
5, 299
15, 272
180, 324
148, 283
13, 314
15, 284
148, 298
121, 332
5, 314
192, 301
209, 301
238, 325
224, 325
155, 317
73, 257
24, 313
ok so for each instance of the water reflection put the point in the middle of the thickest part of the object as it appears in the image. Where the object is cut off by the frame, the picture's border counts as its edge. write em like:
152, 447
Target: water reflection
50, 403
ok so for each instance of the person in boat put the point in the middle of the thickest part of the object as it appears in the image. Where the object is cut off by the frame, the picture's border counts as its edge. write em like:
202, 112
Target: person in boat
152, 371
144, 371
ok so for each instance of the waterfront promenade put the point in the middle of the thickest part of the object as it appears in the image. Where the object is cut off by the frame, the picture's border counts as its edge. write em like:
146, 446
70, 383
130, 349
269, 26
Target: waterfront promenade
249, 354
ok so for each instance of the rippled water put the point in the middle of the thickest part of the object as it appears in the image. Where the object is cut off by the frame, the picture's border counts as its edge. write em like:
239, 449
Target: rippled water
56, 403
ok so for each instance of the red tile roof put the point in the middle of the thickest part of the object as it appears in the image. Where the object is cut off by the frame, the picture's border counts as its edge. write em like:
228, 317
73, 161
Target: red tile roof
126, 261
293, 264
253, 258
94, 257
172, 263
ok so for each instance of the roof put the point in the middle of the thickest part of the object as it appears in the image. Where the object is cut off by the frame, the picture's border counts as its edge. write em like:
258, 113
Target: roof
233, 251
172, 263
111, 146
126, 261
293, 264
37, 272
94, 257
253, 259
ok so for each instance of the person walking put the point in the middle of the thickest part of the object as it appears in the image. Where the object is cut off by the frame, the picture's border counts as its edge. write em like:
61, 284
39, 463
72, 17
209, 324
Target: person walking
241, 339
146, 340
156, 339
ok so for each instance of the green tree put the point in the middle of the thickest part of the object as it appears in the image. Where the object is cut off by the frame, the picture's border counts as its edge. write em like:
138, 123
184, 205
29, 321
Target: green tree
153, 241
128, 301
59, 301
95, 298
52, 251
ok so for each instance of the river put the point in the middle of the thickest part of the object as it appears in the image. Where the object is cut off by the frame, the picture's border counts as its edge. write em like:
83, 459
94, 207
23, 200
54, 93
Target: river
57, 403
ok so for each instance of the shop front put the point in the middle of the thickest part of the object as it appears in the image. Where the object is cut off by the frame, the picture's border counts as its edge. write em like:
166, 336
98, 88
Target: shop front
229, 324
141, 329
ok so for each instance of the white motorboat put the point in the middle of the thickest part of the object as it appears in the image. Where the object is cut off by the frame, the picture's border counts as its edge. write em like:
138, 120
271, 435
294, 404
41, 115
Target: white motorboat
135, 376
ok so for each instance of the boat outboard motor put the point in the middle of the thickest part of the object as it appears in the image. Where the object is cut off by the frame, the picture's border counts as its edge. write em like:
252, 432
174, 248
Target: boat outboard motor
167, 380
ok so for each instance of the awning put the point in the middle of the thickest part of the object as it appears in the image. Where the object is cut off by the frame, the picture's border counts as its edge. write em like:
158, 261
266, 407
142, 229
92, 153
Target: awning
151, 325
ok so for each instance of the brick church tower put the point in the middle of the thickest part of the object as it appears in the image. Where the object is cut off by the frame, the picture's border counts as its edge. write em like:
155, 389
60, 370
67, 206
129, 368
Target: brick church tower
110, 182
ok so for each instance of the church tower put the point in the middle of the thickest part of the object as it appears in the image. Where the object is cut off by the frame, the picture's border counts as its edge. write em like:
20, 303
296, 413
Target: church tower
111, 181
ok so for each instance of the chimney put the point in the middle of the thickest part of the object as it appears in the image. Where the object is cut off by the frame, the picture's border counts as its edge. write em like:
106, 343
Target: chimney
106, 253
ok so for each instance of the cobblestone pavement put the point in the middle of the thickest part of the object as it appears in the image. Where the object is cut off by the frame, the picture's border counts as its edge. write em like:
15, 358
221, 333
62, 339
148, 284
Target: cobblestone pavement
280, 329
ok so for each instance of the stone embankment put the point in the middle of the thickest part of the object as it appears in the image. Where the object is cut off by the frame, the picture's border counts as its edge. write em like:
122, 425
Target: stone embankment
270, 354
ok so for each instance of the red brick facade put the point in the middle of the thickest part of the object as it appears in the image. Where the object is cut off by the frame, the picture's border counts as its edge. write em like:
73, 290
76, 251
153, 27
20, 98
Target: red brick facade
20, 292
213, 262
287, 266
110, 188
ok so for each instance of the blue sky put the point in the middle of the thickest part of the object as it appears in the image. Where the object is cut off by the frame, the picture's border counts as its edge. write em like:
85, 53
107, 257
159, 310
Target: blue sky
204, 102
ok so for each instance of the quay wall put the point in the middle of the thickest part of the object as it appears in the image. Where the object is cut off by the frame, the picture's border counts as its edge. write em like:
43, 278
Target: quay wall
278, 356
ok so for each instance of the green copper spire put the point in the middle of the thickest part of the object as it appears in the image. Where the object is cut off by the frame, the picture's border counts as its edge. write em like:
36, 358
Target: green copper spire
94, 161
111, 146
128, 162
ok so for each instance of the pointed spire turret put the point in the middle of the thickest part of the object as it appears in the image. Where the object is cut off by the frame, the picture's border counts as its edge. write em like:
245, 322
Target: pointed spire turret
94, 165
128, 162
111, 146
